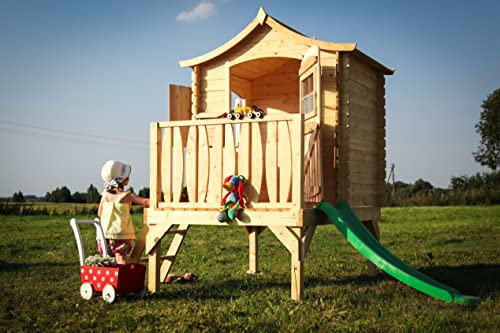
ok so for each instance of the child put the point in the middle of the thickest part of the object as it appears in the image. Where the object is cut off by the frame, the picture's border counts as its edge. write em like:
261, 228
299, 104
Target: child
114, 210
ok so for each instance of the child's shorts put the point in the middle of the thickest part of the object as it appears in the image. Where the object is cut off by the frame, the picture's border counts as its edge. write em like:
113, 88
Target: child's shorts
116, 246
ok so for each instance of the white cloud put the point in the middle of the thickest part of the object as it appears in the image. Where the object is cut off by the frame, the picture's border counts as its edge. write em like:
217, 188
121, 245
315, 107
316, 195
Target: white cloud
200, 12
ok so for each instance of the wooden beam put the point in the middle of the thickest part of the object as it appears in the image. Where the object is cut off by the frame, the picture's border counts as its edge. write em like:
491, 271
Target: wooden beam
293, 240
253, 249
209, 217
140, 244
155, 235
154, 269
155, 165
173, 250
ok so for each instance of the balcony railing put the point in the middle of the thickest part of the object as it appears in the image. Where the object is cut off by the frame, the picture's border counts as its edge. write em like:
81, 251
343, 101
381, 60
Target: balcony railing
195, 156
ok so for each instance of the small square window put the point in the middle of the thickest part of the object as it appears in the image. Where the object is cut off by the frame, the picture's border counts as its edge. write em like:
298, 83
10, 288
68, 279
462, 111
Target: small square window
308, 95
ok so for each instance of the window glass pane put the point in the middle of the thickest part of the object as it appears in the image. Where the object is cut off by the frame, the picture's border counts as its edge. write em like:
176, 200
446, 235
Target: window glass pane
308, 94
308, 103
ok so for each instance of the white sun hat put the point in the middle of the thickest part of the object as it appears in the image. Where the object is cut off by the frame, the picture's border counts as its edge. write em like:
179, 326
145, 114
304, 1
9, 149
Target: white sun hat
114, 171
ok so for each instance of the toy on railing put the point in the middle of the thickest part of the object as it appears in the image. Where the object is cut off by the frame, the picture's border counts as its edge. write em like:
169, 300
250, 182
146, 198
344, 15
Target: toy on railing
242, 111
233, 202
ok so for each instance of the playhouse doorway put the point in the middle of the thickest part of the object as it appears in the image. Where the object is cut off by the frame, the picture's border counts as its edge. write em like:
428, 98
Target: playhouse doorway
271, 84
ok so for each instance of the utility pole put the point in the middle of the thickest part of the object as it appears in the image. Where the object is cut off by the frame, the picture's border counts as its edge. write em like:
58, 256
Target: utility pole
391, 177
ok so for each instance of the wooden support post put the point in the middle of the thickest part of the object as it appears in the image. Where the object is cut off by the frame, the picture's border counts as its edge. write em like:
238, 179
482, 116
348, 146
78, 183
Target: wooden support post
372, 226
253, 248
297, 241
298, 162
195, 97
154, 268
298, 256
155, 166
297, 282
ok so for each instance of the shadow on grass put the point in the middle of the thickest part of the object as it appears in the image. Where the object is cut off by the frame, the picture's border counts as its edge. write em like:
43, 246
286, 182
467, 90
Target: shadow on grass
219, 290
477, 280
481, 280
15, 267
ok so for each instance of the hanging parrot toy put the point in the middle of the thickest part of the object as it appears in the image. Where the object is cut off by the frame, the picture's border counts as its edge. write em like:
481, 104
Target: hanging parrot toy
233, 202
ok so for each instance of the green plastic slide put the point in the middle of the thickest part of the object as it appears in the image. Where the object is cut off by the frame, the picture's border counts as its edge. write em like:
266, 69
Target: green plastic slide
343, 217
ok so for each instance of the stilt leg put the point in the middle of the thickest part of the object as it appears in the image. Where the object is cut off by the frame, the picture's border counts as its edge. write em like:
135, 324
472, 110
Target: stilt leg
373, 228
154, 268
297, 277
297, 241
253, 248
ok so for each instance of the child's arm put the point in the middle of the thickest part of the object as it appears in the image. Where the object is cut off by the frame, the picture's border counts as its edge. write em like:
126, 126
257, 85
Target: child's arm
139, 200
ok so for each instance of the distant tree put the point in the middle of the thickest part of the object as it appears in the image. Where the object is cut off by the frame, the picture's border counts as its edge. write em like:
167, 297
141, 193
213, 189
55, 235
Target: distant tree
93, 195
78, 197
489, 181
18, 197
421, 185
144, 192
62, 194
488, 152
459, 183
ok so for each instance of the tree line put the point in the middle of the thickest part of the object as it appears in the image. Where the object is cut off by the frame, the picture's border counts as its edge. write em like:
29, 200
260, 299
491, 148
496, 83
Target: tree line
63, 194
479, 189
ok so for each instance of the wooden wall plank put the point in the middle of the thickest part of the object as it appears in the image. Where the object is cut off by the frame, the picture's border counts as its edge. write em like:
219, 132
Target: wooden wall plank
284, 162
192, 159
203, 163
245, 158
178, 165
257, 164
271, 162
229, 152
166, 164
216, 163
155, 148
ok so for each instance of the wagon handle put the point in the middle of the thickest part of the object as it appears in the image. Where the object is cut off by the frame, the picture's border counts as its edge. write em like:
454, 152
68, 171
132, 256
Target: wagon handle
99, 233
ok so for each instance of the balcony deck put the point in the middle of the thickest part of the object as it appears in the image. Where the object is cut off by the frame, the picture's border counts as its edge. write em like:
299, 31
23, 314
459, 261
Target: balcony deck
197, 155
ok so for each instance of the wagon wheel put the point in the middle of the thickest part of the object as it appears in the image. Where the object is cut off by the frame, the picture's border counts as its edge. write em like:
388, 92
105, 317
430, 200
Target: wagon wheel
86, 291
230, 116
258, 114
237, 115
109, 293
250, 115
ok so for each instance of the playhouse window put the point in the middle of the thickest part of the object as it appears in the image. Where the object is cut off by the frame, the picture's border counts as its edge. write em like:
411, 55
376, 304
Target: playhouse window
308, 95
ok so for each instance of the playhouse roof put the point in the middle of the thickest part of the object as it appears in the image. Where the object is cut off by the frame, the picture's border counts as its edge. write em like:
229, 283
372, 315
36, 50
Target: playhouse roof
261, 19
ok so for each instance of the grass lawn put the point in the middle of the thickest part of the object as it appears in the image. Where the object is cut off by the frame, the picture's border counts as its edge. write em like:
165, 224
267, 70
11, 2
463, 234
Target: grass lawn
459, 246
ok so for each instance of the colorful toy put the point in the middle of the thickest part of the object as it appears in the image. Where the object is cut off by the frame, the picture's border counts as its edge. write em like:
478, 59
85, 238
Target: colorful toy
233, 202
241, 111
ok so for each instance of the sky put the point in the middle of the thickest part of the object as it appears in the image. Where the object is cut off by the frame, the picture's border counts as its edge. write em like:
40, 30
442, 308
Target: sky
80, 81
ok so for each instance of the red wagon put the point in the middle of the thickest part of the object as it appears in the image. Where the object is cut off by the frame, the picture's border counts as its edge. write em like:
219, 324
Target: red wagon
110, 281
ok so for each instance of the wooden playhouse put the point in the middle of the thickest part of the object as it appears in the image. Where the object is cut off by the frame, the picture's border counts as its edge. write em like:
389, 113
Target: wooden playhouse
322, 138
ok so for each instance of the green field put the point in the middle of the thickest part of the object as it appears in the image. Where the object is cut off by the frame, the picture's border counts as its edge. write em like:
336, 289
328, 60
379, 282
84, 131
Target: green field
459, 246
